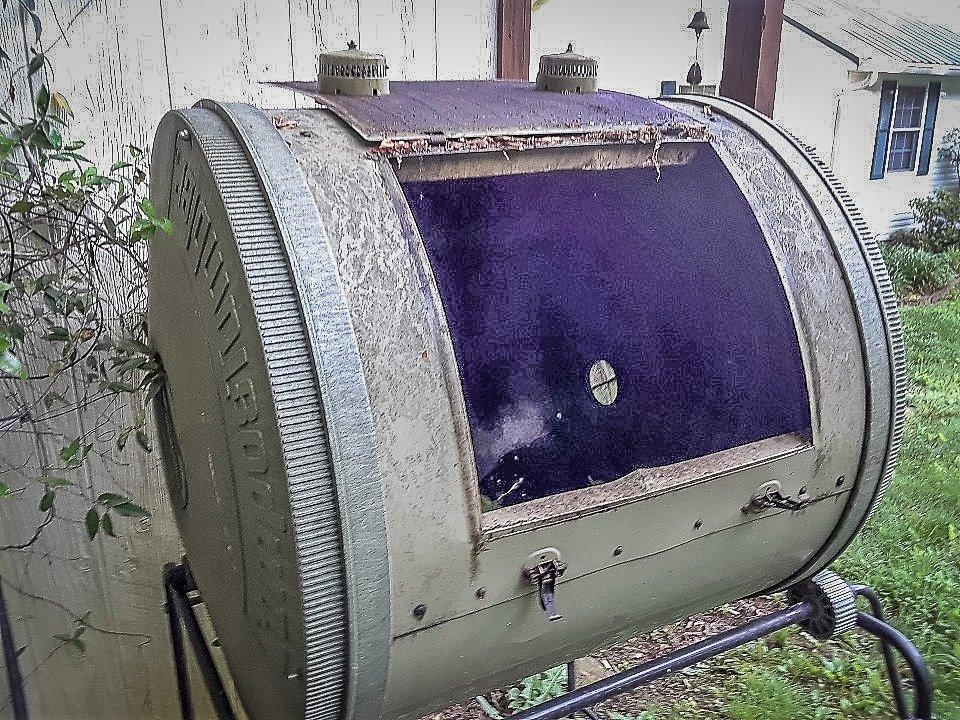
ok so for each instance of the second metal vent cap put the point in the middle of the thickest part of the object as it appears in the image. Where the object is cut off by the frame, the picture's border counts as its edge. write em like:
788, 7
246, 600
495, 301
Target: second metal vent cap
353, 72
568, 72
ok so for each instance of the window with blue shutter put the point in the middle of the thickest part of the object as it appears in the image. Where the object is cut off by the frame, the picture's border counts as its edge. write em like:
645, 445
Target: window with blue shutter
906, 129
888, 94
929, 127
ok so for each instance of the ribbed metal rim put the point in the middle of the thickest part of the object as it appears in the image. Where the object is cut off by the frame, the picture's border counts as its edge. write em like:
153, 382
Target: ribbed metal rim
888, 304
891, 313
300, 419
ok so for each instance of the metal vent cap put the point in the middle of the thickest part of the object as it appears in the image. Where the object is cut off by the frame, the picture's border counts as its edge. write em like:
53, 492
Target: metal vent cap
568, 72
353, 72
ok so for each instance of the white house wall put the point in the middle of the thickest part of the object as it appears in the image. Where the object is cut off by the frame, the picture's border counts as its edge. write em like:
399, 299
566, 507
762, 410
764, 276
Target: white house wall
817, 101
809, 84
122, 64
638, 43
885, 202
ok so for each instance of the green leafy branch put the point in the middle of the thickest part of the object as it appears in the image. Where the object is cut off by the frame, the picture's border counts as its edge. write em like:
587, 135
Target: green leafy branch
73, 340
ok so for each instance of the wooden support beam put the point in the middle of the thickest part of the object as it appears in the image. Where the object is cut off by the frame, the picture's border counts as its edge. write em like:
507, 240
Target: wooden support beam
751, 53
513, 39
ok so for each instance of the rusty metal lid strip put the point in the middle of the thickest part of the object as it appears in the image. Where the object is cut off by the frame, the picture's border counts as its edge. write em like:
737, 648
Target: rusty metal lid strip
479, 108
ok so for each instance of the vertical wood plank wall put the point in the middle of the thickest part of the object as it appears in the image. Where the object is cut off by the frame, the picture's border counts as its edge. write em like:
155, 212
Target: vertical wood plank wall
122, 64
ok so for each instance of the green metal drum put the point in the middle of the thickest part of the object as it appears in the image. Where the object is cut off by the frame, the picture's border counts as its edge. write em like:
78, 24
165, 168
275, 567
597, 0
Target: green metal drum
426, 349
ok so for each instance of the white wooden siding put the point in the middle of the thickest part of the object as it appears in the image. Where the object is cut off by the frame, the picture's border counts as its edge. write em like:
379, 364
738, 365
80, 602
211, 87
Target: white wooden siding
122, 64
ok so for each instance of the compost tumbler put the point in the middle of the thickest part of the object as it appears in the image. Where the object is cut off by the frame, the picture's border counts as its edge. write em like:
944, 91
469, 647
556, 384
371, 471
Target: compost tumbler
436, 348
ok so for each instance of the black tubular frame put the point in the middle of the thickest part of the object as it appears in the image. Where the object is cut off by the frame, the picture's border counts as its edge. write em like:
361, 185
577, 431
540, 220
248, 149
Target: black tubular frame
182, 596
11, 661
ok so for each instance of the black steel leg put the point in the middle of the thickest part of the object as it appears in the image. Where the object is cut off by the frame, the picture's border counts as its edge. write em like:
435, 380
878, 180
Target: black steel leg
922, 681
18, 698
893, 672
171, 572
572, 685
177, 584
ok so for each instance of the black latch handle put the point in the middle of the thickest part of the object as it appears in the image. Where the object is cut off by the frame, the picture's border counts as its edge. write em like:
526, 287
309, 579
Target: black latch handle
545, 576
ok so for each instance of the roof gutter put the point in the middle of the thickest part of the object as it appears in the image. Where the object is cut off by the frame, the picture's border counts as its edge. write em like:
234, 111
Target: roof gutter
899, 68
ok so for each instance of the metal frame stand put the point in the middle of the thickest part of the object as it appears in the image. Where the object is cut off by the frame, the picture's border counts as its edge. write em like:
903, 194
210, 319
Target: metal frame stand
182, 597
11, 661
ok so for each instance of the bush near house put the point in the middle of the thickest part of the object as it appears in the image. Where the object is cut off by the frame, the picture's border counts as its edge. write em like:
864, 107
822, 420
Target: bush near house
915, 271
926, 258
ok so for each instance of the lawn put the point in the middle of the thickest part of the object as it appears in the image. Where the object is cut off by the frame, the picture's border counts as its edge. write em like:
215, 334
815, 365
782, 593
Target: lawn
909, 552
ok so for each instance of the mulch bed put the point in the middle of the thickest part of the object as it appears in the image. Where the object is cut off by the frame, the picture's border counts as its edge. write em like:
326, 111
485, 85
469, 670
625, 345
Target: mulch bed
664, 693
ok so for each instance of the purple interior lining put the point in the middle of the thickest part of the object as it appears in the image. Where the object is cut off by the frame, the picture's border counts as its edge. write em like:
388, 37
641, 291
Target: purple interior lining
672, 282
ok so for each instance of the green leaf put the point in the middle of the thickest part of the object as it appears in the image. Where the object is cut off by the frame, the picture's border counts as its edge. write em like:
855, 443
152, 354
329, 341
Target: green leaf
39, 139
57, 334
129, 509
132, 345
54, 138
22, 207
70, 451
92, 522
112, 499
107, 524
4, 489
165, 225
143, 441
147, 208
35, 64
123, 437
43, 100
46, 502
10, 365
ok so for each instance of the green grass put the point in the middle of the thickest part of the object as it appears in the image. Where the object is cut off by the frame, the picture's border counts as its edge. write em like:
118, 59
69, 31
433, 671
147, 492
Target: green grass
909, 553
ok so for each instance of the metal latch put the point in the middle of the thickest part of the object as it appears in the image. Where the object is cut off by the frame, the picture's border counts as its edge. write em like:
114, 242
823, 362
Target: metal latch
544, 575
769, 495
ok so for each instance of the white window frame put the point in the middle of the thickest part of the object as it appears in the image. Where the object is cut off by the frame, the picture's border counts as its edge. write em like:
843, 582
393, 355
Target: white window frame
918, 130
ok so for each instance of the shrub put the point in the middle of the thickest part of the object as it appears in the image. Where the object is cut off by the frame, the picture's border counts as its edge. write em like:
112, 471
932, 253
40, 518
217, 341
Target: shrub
938, 220
914, 270
950, 149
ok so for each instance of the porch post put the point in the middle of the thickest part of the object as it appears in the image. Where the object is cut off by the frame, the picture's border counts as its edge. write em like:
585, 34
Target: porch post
513, 39
751, 53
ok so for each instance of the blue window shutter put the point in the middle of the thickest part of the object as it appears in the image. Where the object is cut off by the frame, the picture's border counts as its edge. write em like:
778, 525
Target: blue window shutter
929, 124
888, 94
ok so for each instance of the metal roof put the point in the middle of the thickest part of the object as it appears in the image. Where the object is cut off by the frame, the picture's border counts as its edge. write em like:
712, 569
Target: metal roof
875, 37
